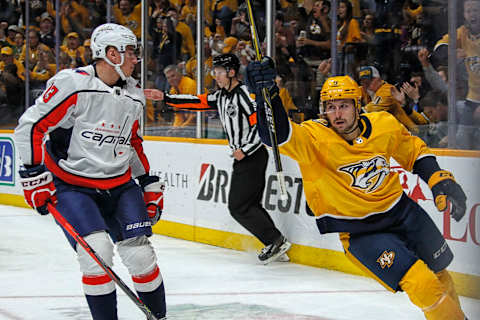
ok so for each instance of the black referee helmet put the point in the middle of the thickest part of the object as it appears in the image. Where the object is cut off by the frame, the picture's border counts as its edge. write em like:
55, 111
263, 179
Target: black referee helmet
228, 61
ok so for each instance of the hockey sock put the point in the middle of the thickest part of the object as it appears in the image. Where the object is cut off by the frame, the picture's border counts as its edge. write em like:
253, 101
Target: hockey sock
447, 281
155, 301
427, 292
103, 307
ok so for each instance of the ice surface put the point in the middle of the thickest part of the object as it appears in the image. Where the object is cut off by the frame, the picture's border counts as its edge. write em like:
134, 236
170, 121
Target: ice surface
40, 279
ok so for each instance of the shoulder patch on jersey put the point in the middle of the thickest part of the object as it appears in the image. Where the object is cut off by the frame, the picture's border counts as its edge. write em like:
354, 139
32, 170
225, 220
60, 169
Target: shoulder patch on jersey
85, 73
321, 121
49, 93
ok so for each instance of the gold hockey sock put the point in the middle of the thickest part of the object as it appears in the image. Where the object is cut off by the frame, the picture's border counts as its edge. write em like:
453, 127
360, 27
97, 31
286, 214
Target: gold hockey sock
426, 291
447, 281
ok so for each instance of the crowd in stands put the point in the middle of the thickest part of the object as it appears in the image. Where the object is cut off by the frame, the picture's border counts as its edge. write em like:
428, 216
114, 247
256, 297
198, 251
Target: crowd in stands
396, 49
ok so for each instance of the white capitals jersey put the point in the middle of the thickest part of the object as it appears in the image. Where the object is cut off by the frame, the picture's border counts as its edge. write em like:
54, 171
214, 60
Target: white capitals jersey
94, 130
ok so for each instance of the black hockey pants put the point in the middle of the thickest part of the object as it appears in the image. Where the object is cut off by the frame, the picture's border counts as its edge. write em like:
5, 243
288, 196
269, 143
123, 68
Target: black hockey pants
245, 196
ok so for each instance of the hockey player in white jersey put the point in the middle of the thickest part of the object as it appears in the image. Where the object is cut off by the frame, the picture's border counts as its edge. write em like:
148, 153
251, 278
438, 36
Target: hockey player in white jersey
90, 119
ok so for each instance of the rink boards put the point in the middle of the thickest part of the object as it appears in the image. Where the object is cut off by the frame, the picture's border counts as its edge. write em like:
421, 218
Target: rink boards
197, 174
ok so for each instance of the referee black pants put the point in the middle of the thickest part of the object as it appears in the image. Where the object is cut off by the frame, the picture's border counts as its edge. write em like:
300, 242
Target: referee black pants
245, 196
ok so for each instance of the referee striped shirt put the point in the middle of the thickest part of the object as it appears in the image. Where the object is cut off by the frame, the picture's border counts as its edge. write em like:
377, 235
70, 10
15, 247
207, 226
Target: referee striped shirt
237, 112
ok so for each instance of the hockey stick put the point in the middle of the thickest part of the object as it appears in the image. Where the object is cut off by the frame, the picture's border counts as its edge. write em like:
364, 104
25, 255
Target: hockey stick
79, 239
268, 110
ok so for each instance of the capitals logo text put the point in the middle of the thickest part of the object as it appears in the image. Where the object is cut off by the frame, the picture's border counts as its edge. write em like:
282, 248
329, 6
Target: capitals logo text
367, 175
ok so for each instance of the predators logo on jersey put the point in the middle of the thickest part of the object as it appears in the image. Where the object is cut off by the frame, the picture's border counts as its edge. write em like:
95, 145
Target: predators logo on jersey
386, 259
367, 175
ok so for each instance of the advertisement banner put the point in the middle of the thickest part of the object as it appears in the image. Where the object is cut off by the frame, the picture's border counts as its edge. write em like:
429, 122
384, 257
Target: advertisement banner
197, 178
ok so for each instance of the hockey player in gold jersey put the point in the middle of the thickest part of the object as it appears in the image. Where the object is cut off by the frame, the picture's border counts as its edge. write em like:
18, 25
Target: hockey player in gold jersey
345, 164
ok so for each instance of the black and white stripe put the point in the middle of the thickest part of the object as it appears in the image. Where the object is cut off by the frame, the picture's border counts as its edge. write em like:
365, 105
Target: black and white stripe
235, 109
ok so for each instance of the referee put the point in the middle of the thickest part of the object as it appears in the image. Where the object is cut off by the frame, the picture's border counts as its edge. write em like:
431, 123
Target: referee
239, 120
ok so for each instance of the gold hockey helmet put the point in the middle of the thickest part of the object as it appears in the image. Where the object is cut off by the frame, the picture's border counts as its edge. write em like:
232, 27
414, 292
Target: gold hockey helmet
340, 87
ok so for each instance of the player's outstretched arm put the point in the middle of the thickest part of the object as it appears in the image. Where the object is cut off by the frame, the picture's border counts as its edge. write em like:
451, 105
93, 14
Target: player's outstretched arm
261, 75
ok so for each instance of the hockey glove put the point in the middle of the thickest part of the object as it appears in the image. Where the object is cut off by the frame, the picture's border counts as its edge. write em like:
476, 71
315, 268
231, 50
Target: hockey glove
260, 75
38, 188
445, 189
153, 196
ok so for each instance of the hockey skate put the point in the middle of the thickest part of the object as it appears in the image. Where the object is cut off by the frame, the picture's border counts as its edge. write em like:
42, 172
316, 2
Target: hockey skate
283, 258
274, 251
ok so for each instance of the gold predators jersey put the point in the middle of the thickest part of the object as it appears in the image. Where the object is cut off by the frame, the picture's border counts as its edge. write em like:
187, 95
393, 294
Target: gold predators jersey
352, 181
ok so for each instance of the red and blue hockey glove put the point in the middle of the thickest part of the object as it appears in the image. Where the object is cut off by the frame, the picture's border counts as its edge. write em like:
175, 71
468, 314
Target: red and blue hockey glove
38, 188
153, 196
445, 189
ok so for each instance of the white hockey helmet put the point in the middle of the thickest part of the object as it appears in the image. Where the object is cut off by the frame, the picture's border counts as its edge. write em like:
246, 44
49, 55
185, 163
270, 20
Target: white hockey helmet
115, 35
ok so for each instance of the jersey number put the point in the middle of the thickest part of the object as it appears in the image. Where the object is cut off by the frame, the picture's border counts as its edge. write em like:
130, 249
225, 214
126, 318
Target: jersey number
49, 93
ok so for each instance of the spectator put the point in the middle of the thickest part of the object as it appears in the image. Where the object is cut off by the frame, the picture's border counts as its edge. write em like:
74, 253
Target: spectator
129, 15
36, 7
367, 30
433, 77
215, 28
12, 31
467, 50
287, 101
387, 34
180, 85
11, 99
188, 45
285, 36
379, 96
225, 11
315, 43
348, 34
8, 12
74, 17
167, 43
43, 70
8, 59
188, 14
241, 26
18, 44
191, 66
435, 106
64, 61
158, 8
34, 48
87, 55
3, 38
75, 51
47, 29
98, 12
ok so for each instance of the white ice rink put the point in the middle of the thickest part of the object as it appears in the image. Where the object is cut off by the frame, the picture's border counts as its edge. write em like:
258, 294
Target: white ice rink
40, 279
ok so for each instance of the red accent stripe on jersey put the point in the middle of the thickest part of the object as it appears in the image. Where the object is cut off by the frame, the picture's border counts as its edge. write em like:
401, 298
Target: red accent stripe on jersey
68, 177
136, 143
96, 280
41, 127
147, 277
252, 119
